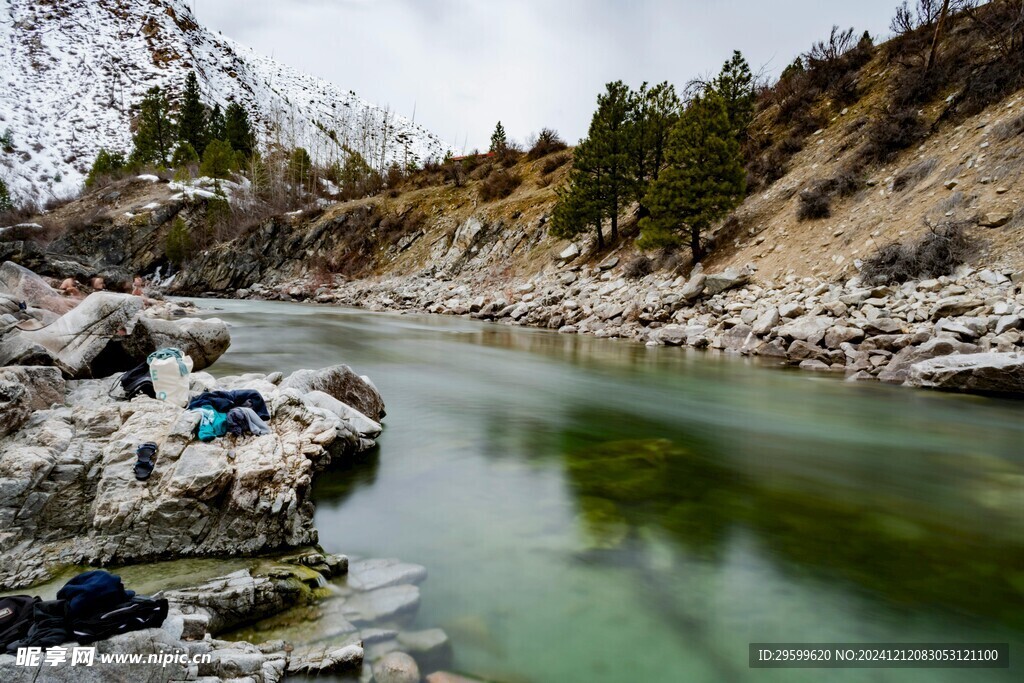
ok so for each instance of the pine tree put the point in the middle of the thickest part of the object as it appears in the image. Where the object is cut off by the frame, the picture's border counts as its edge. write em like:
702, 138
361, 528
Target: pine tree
656, 112
216, 126
178, 244
238, 130
184, 155
106, 164
702, 181
5, 197
154, 136
299, 165
735, 84
499, 142
218, 159
578, 209
192, 115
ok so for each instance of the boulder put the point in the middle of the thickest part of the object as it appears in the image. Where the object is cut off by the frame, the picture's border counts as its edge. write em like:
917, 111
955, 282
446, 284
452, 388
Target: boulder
883, 326
75, 339
835, 336
898, 369
204, 340
694, 287
609, 263
989, 373
343, 384
382, 604
727, 279
44, 386
358, 422
805, 327
766, 322
24, 285
569, 253
396, 667
995, 219
739, 339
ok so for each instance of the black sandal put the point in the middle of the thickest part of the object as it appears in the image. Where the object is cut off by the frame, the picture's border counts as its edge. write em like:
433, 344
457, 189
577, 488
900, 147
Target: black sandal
144, 465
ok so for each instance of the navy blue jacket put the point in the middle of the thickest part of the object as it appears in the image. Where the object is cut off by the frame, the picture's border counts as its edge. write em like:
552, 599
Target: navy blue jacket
224, 401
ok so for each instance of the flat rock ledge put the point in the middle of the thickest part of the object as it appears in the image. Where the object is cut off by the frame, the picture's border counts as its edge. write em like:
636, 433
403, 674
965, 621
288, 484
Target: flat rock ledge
201, 619
68, 494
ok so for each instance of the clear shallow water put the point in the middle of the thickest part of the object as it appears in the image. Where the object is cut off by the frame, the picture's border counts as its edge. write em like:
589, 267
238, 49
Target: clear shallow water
597, 511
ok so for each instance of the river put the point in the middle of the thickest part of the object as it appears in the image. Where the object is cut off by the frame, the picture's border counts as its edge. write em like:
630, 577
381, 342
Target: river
597, 511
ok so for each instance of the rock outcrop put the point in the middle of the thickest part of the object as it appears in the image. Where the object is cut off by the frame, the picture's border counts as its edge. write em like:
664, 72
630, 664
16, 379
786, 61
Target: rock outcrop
68, 493
102, 334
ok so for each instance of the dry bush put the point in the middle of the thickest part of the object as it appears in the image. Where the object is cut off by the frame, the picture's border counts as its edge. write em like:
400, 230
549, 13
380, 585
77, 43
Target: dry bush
498, 185
548, 142
553, 163
1004, 130
913, 174
938, 252
815, 202
891, 132
638, 267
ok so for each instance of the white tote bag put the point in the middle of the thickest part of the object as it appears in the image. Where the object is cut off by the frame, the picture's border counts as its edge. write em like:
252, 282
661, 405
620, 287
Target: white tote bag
169, 370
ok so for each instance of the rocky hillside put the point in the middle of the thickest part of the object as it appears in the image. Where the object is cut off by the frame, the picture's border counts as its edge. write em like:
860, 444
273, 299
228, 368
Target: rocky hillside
74, 69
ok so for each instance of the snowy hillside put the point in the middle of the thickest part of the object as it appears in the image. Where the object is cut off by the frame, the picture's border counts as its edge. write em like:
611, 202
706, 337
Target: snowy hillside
71, 71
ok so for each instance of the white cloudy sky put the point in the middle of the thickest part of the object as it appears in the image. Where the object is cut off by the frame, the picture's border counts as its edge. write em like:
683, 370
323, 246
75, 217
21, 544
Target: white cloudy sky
465, 64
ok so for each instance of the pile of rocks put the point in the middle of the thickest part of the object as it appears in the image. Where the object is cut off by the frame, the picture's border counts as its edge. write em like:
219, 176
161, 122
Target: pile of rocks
889, 333
68, 494
355, 613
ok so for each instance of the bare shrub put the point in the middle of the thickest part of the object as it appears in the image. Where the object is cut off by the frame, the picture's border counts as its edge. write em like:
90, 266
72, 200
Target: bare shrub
913, 174
1004, 130
553, 163
892, 131
548, 141
815, 202
638, 267
938, 252
498, 185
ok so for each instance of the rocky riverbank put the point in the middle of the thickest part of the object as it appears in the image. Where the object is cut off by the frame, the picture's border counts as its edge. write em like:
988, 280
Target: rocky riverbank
959, 332
308, 614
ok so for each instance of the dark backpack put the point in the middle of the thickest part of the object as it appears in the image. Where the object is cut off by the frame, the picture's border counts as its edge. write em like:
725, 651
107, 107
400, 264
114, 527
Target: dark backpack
134, 382
15, 618
136, 614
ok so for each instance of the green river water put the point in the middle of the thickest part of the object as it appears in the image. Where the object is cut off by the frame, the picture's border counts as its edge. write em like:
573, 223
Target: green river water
598, 511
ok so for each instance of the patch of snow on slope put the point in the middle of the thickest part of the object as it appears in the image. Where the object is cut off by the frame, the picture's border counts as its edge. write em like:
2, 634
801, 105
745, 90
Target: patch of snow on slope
72, 71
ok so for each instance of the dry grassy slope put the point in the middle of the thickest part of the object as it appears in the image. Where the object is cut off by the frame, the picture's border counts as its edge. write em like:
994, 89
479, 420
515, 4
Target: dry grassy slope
986, 166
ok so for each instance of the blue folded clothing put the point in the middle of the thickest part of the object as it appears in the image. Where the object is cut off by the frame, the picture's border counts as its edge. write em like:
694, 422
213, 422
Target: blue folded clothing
224, 401
92, 592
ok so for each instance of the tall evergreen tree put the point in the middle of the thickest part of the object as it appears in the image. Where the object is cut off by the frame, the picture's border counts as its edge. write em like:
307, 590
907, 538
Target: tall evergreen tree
154, 136
192, 115
578, 209
605, 154
735, 83
216, 126
702, 181
238, 130
656, 111
499, 142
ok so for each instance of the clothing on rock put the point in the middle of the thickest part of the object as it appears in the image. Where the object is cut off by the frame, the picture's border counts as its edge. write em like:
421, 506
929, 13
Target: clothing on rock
223, 401
243, 421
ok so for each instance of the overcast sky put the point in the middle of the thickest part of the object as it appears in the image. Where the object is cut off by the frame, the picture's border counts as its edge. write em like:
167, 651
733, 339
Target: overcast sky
465, 64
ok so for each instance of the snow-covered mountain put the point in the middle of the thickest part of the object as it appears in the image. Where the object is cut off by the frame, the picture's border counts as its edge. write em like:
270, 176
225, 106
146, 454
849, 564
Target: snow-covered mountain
71, 72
